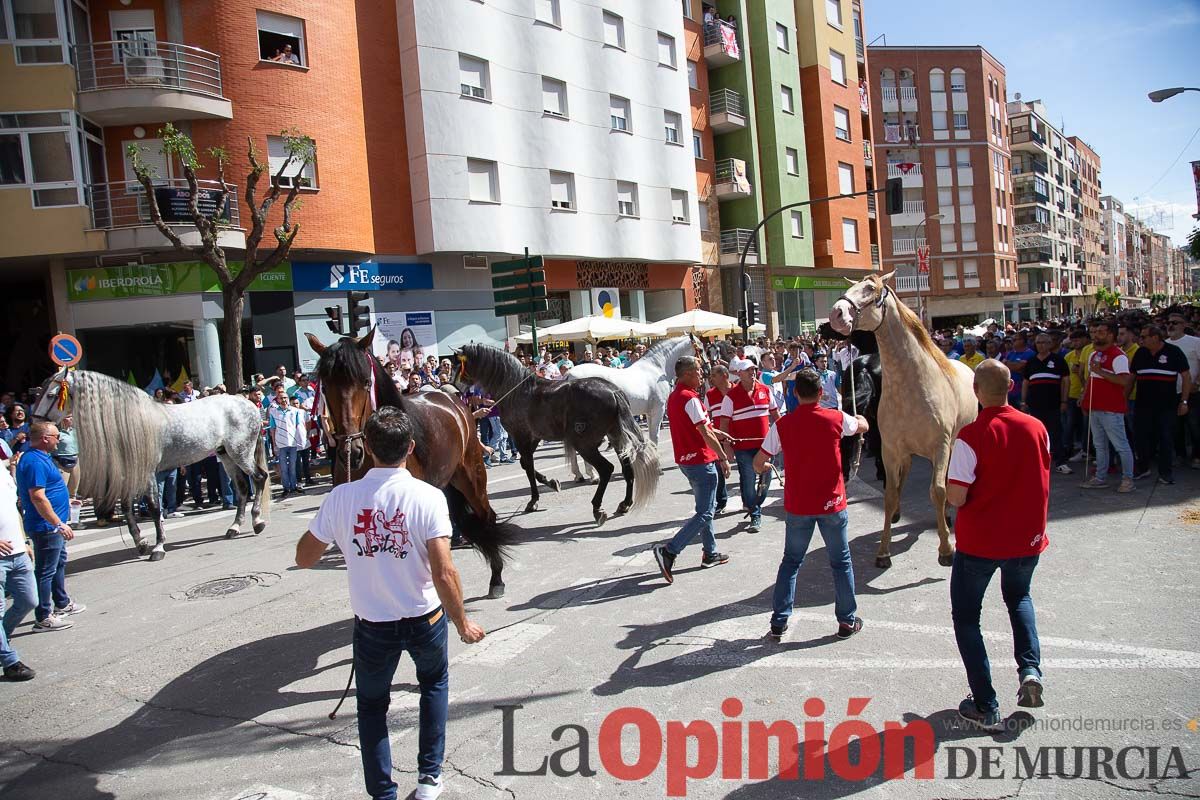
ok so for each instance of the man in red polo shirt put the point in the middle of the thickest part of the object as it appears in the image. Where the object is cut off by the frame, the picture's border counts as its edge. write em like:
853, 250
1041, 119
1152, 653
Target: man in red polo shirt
718, 376
1109, 382
810, 439
1001, 455
746, 414
700, 458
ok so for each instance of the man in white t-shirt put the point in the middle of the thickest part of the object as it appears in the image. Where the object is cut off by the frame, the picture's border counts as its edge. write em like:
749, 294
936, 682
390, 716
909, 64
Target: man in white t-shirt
16, 571
394, 532
1190, 345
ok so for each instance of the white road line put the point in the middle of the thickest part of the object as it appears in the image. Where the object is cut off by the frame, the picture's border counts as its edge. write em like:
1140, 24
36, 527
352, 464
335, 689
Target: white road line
261, 791
505, 645
147, 527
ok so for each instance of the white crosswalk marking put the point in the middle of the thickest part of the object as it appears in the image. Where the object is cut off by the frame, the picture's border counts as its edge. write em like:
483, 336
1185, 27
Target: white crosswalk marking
503, 646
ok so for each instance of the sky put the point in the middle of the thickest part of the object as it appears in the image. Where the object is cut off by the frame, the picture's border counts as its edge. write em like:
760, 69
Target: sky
1091, 62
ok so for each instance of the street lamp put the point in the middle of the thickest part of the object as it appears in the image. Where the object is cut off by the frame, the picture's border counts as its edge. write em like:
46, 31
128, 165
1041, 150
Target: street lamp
917, 238
1158, 95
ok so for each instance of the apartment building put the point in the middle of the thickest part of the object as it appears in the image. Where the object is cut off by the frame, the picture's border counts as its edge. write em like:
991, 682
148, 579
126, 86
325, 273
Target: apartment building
1112, 246
711, 111
1089, 234
449, 135
1048, 213
940, 113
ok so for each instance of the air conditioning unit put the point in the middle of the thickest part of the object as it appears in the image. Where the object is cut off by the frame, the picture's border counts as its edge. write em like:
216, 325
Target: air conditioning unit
472, 261
143, 69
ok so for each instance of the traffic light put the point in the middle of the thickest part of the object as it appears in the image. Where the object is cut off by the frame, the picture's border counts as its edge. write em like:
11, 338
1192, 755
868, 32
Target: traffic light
751, 314
894, 195
742, 320
334, 323
360, 313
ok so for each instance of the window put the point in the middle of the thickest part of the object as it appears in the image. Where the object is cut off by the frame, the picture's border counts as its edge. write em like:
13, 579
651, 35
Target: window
693, 75
36, 151
970, 273
301, 175
945, 198
792, 158
968, 231
798, 224
679, 205
666, 50
786, 100
850, 235
704, 226
554, 97
962, 157
672, 123
833, 12
958, 81
966, 196
949, 274
687, 9
618, 111
36, 32
837, 67
627, 199
841, 123
937, 80
484, 181
281, 39
614, 30
562, 191
845, 178
781, 37
939, 121
473, 78
960, 121
547, 11
697, 145
941, 157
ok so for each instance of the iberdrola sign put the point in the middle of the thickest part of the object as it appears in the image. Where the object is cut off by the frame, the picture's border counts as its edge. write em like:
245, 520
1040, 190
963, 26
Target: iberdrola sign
162, 280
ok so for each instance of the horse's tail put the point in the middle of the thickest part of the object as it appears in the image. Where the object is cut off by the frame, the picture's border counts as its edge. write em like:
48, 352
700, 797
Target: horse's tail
629, 443
261, 465
493, 540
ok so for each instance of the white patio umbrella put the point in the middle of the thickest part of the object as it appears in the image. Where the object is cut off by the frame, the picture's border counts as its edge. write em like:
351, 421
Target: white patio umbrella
594, 329
705, 323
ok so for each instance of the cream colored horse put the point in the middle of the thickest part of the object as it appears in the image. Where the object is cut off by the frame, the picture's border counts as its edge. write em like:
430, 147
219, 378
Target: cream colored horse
926, 400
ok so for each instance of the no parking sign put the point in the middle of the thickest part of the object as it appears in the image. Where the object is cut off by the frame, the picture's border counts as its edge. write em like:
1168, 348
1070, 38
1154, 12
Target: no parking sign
65, 350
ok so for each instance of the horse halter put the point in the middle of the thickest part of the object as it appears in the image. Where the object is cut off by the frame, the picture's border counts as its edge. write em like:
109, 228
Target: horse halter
881, 303
342, 442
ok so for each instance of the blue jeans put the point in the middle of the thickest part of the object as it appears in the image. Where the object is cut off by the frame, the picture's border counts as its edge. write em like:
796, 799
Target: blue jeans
16, 579
703, 479
1072, 425
497, 437
50, 559
1109, 426
748, 480
377, 650
798, 533
166, 491
969, 580
287, 467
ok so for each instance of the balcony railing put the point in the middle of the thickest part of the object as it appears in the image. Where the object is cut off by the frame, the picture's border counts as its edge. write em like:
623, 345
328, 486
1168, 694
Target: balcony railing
726, 101
895, 171
1027, 135
871, 206
141, 63
731, 243
125, 204
730, 181
1027, 166
914, 207
874, 255
868, 153
721, 44
912, 283
904, 247
1030, 197
1035, 255
889, 93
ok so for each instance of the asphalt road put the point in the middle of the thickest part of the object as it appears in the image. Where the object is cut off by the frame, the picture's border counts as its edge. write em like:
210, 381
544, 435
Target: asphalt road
210, 675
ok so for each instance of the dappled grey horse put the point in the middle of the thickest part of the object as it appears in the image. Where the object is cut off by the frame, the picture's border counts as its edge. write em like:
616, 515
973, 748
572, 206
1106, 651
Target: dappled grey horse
126, 438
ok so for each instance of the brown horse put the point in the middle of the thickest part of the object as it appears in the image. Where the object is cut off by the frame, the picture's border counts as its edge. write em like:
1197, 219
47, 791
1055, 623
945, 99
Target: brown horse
447, 452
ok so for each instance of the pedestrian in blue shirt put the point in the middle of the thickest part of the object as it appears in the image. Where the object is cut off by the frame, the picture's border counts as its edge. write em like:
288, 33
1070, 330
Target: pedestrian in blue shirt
47, 508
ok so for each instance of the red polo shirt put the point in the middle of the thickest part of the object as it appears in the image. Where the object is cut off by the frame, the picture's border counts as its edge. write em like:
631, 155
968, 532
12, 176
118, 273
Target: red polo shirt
1003, 458
715, 399
749, 414
1102, 395
684, 413
810, 438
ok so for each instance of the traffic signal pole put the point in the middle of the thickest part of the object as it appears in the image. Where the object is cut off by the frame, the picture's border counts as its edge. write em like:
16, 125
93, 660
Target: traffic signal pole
745, 278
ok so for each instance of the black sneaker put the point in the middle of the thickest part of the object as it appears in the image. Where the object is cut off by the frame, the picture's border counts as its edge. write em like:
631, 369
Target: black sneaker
666, 560
988, 720
719, 510
1143, 474
755, 525
845, 631
298, 490
1030, 693
18, 672
713, 560
1166, 481
777, 631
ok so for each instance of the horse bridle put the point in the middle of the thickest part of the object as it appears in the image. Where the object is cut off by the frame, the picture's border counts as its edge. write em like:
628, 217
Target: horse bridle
342, 441
881, 303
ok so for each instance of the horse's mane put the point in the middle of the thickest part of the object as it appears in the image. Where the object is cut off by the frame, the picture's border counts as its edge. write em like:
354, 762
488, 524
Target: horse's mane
343, 362
120, 437
496, 370
661, 352
913, 324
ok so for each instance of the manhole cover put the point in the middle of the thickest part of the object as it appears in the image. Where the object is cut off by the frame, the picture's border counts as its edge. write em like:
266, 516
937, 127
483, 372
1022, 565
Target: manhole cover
223, 587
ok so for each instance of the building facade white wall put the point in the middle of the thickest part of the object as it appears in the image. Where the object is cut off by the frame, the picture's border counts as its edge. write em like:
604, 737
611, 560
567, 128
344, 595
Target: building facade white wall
510, 127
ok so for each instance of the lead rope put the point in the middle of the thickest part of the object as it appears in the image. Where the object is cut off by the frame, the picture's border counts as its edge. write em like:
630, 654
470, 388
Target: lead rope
858, 439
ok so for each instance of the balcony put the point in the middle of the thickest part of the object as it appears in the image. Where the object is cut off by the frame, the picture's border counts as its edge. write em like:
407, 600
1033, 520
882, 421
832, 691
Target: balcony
906, 247
899, 98
1029, 166
721, 44
726, 111
871, 206
1034, 256
136, 82
1027, 137
868, 153
731, 182
1024, 198
910, 173
731, 243
907, 284
875, 256
123, 210
860, 51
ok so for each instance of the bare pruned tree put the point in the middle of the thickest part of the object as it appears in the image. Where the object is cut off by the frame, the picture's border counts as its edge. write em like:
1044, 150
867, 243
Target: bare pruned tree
300, 151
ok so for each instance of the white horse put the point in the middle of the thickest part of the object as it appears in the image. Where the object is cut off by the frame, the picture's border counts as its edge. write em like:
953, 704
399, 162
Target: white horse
646, 384
125, 438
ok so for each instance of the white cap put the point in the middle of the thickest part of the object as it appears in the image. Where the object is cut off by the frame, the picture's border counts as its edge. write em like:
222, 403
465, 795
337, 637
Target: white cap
739, 364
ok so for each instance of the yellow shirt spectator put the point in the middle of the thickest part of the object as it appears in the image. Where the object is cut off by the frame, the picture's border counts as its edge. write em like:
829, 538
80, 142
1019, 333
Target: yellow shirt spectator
972, 361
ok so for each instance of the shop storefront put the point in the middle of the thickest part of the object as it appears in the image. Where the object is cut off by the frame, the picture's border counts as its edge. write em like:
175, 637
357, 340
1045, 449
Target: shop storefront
635, 290
803, 301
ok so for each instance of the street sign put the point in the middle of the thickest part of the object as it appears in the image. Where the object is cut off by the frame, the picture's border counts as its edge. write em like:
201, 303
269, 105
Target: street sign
65, 350
517, 264
528, 307
522, 293
518, 279
923, 258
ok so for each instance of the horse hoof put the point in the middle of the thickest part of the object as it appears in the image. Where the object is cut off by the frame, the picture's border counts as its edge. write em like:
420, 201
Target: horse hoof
895, 517
883, 562
158, 555
601, 517
530, 507
946, 560
555, 485
496, 592
623, 508
259, 527
144, 549
232, 533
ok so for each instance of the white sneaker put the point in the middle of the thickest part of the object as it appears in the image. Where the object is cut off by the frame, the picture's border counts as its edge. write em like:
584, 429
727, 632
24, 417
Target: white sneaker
429, 787
1077, 457
174, 515
69, 609
52, 623
1063, 469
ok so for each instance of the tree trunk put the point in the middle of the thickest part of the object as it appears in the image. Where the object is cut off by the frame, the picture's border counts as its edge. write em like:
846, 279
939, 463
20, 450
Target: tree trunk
234, 301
